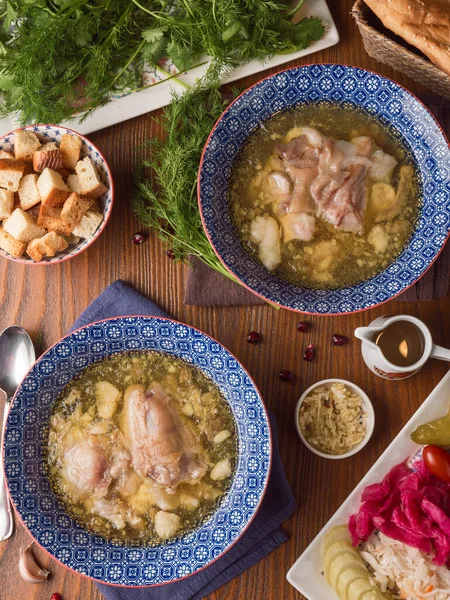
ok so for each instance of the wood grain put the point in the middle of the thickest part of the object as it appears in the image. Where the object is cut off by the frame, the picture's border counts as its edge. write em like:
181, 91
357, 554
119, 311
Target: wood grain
46, 300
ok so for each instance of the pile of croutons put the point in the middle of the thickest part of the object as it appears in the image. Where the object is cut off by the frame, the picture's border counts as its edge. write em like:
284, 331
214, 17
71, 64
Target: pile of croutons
47, 196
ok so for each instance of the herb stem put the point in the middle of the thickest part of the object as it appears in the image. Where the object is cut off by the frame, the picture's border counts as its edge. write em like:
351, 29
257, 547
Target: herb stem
175, 77
133, 56
153, 14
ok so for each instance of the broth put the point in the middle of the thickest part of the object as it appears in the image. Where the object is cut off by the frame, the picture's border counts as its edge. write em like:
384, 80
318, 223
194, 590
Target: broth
142, 447
338, 253
401, 343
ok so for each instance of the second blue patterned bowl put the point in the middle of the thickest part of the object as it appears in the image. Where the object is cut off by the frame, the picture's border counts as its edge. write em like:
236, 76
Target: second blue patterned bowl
26, 468
354, 88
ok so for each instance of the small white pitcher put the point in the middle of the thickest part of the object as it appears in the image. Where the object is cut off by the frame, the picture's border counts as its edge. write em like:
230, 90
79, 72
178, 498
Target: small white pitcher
377, 362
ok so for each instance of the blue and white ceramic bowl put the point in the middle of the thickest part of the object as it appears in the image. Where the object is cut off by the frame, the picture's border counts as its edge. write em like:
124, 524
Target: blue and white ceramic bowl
353, 88
54, 133
26, 468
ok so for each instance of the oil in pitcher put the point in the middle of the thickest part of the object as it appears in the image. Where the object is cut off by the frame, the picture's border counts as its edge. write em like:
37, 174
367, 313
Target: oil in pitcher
402, 343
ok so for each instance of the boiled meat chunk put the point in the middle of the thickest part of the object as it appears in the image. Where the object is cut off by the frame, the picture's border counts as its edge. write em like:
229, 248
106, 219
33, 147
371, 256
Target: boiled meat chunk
86, 468
347, 207
265, 232
162, 447
404, 189
298, 227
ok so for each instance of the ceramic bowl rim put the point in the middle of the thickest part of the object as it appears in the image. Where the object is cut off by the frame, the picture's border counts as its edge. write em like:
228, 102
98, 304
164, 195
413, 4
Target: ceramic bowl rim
368, 407
106, 213
270, 452
199, 199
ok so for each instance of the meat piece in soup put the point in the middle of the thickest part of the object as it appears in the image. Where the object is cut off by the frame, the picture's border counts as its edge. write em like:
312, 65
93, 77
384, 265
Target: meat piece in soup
316, 175
141, 447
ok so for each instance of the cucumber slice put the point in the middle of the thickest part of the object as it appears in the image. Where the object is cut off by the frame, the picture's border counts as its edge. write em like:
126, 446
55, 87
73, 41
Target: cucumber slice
341, 563
362, 589
347, 578
337, 534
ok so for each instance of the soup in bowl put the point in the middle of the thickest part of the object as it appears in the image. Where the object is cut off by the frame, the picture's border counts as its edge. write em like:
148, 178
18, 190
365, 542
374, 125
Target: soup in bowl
131, 441
324, 189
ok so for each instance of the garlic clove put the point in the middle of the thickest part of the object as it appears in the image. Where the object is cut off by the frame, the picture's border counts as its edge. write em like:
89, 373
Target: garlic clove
29, 568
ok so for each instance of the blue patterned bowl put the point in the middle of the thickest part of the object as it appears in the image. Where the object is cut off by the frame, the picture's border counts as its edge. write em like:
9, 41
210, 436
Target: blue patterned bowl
354, 88
26, 468
54, 133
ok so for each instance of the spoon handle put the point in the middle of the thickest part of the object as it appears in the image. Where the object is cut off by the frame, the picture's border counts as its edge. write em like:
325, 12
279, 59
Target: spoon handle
6, 517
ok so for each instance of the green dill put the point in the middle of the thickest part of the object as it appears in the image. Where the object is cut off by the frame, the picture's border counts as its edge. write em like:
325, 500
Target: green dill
167, 202
60, 58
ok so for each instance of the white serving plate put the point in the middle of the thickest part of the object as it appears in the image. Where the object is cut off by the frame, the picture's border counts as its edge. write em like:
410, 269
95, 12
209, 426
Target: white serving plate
137, 103
306, 573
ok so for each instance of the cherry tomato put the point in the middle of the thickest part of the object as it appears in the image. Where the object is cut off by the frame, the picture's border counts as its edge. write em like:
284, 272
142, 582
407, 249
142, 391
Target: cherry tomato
437, 461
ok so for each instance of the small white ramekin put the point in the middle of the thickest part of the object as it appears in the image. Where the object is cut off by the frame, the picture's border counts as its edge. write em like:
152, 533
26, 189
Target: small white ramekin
370, 424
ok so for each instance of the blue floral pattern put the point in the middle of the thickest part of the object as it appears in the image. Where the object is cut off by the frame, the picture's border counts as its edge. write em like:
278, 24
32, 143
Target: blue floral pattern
26, 468
354, 88
52, 133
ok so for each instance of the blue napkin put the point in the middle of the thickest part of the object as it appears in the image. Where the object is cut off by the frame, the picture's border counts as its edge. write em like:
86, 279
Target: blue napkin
263, 535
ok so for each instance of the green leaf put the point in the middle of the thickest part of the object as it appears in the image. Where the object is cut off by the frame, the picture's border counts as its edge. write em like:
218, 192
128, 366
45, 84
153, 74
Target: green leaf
182, 58
153, 53
308, 30
10, 16
6, 81
153, 34
233, 28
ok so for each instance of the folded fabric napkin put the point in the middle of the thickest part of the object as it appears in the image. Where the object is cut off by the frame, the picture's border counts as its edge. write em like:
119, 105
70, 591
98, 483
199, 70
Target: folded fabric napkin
263, 535
206, 287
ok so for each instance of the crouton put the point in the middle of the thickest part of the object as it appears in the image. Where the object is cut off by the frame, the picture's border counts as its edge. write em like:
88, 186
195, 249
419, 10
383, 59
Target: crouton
74, 184
51, 158
52, 189
48, 146
88, 225
25, 144
35, 210
35, 250
70, 149
6, 204
47, 245
11, 245
71, 239
90, 182
23, 226
75, 207
4, 154
28, 192
11, 171
50, 218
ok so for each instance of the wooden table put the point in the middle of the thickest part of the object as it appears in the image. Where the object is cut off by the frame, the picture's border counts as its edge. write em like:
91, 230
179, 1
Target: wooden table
46, 301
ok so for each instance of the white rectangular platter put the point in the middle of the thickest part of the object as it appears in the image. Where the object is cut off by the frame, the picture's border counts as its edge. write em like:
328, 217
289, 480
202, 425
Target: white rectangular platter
306, 573
137, 103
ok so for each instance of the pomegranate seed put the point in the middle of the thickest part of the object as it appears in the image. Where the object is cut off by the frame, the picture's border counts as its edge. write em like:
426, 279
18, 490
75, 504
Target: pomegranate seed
138, 238
339, 340
285, 375
309, 353
303, 326
253, 337
56, 596
170, 254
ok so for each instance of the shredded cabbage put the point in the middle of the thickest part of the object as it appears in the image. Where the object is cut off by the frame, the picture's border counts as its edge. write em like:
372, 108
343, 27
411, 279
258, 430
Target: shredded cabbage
405, 572
333, 419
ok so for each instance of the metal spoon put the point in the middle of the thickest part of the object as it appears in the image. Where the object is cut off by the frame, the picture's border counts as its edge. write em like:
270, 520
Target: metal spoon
16, 357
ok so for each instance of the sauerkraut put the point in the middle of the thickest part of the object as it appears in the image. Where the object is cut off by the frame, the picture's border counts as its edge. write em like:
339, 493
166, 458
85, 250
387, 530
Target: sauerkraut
332, 419
403, 571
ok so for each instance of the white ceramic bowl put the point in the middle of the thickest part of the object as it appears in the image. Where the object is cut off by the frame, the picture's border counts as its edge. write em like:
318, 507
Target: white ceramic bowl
54, 133
367, 407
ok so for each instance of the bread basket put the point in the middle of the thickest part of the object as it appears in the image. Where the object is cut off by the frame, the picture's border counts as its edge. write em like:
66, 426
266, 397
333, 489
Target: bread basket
387, 50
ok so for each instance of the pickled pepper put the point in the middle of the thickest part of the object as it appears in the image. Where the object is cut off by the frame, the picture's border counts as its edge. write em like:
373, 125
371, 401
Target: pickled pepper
436, 432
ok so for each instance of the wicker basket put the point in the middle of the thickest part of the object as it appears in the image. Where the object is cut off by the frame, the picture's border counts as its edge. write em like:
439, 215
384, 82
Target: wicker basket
386, 50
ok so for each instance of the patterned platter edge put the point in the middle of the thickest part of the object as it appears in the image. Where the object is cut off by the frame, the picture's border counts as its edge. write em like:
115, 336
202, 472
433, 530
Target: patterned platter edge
354, 88
26, 471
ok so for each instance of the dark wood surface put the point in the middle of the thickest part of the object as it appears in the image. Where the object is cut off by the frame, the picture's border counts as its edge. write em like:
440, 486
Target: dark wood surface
46, 301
